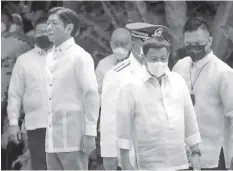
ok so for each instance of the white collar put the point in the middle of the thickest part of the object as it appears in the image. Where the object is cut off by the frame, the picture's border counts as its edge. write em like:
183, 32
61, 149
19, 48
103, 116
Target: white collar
65, 45
41, 51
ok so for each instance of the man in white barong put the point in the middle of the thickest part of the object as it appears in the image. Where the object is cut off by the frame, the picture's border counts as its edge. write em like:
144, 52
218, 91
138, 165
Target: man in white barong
156, 114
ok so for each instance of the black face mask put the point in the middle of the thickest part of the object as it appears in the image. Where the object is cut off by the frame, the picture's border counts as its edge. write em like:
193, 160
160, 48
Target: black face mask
196, 52
43, 42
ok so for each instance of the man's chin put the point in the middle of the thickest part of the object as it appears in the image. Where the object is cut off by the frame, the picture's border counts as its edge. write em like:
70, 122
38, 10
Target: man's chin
51, 38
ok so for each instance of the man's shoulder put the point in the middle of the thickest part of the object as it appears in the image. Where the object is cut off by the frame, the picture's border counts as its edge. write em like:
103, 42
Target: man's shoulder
27, 55
118, 71
221, 65
184, 61
122, 66
80, 53
107, 60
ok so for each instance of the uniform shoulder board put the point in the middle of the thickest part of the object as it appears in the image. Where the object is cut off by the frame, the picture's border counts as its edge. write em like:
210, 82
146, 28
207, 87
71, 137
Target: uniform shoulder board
121, 65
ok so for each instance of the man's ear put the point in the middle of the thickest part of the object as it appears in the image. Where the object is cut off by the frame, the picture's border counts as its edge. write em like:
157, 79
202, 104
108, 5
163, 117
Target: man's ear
210, 41
69, 28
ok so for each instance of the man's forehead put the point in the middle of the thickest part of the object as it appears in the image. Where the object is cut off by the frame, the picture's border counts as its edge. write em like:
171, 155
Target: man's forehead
199, 35
121, 34
120, 38
54, 17
41, 26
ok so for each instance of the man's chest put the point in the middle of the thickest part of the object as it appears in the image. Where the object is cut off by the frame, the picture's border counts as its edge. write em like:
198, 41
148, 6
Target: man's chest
157, 101
204, 80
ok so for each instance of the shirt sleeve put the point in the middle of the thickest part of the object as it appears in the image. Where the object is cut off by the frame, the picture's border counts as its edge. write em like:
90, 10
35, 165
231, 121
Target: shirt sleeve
15, 93
227, 100
125, 117
108, 116
226, 92
192, 134
86, 76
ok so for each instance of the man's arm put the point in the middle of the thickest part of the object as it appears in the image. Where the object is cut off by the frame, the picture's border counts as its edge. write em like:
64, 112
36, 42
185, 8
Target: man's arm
108, 115
125, 120
226, 93
15, 93
192, 135
86, 76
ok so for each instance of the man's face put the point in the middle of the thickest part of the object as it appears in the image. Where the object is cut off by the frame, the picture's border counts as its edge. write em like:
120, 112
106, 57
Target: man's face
41, 30
157, 55
121, 44
57, 29
197, 44
196, 39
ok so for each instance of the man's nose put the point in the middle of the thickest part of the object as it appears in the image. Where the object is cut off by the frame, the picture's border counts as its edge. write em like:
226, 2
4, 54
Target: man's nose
49, 28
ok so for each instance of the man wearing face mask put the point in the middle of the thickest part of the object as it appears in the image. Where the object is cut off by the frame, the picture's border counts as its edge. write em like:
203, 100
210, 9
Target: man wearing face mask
120, 44
27, 85
113, 79
210, 85
156, 114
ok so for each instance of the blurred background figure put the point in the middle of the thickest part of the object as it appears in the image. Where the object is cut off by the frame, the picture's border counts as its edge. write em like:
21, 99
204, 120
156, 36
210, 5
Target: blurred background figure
17, 25
228, 33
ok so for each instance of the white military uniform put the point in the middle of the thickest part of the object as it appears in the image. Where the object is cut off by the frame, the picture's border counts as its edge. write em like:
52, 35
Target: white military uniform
113, 79
103, 67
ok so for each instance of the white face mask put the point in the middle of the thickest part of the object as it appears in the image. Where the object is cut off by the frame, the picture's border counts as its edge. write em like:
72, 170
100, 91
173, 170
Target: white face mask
157, 68
3, 27
120, 53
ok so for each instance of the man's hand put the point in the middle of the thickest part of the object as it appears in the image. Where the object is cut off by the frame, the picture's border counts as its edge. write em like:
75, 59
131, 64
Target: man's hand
195, 162
88, 144
15, 134
110, 163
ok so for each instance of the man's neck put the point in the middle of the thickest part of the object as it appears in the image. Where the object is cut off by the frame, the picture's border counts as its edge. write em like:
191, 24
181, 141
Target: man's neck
61, 41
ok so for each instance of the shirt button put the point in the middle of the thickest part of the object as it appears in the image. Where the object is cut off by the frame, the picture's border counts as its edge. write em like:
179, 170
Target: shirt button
50, 98
50, 126
50, 85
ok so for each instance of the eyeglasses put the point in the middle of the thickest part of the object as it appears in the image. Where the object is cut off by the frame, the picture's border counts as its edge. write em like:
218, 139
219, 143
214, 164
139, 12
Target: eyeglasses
195, 47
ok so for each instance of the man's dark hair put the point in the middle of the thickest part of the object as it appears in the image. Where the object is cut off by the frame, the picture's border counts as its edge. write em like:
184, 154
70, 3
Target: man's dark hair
67, 16
41, 20
155, 43
195, 24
